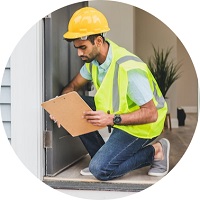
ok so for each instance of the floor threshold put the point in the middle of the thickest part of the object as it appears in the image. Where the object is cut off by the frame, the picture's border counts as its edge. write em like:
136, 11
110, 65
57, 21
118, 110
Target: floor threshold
71, 179
99, 186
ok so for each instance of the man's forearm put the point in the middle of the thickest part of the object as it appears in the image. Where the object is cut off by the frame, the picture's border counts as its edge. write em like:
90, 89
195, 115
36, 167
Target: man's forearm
146, 114
67, 89
141, 116
75, 84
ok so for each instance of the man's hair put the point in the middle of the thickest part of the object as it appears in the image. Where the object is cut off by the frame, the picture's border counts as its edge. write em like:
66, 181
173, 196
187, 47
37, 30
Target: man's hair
91, 38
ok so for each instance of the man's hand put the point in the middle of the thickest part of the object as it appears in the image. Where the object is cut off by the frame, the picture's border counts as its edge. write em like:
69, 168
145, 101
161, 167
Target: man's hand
98, 118
55, 121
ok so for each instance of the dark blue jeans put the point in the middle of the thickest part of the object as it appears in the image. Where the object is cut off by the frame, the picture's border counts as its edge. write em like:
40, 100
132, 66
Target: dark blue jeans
121, 153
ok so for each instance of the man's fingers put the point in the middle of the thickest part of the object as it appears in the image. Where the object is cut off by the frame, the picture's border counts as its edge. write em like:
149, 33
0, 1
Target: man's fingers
58, 124
55, 121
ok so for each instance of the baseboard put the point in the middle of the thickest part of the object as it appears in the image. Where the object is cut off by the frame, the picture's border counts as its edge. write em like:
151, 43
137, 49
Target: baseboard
174, 123
187, 109
190, 109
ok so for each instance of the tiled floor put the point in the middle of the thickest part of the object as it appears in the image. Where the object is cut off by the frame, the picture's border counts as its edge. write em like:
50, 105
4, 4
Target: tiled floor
134, 181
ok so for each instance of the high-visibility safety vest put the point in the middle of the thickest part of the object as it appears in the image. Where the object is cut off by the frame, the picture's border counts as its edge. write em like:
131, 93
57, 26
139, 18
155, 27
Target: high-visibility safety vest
112, 95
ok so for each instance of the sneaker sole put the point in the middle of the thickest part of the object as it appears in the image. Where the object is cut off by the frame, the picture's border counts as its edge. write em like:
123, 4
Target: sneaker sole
85, 173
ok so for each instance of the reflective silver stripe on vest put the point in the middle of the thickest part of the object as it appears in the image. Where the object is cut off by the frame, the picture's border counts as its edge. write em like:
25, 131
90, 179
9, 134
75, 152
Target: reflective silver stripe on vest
160, 100
116, 98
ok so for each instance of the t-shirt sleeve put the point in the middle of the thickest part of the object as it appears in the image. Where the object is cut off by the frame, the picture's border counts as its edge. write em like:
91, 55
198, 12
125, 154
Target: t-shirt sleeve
85, 74
139, 90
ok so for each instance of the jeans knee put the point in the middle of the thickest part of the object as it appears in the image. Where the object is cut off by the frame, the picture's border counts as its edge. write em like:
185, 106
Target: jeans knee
99, 171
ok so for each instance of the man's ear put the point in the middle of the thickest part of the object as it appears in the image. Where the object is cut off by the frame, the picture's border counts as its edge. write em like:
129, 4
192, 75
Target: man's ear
99, 41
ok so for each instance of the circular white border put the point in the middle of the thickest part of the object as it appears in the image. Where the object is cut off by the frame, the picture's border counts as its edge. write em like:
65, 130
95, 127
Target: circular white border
16, 17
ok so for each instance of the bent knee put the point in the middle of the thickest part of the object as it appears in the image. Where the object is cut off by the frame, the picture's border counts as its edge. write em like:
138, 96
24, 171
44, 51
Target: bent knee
99, 172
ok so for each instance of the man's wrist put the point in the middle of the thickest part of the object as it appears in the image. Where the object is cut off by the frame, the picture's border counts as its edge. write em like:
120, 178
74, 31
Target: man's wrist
117, 119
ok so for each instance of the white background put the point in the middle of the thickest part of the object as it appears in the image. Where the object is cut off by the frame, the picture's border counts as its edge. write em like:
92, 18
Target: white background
16, 17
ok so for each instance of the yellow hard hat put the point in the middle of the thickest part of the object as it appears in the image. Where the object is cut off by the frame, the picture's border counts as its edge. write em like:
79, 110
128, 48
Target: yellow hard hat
86, 21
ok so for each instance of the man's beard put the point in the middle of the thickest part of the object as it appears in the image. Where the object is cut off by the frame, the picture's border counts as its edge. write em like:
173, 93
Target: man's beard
87, 59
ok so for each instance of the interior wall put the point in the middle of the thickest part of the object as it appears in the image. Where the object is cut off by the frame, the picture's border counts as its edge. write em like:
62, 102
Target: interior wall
150, 30
187, 85
121, 20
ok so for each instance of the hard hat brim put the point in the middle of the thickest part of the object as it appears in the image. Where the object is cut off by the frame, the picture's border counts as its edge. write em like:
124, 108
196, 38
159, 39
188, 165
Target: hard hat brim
73, 35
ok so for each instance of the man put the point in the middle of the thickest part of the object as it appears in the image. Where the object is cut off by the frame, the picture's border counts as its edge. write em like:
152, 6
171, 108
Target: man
128, 99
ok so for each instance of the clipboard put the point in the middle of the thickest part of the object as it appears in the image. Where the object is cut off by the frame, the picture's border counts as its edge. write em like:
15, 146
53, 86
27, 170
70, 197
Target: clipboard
68, 111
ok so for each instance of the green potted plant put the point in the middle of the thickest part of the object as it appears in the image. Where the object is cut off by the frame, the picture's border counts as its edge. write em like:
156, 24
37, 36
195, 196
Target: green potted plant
165, 71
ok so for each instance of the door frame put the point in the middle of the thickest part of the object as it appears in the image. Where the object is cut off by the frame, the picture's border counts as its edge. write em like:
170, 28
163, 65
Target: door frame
27, 95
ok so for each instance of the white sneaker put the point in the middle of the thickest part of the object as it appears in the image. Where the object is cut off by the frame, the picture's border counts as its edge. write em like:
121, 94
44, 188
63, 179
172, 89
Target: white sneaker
86, 172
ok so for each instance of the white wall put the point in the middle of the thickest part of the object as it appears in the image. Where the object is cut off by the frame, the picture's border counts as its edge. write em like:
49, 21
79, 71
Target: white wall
26, 90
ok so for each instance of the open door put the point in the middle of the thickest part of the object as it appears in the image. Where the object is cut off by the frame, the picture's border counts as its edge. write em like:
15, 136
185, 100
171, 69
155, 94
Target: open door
60, 66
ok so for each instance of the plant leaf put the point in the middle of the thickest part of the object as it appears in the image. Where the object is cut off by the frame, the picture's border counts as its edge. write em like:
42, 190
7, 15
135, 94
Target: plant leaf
165, 71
